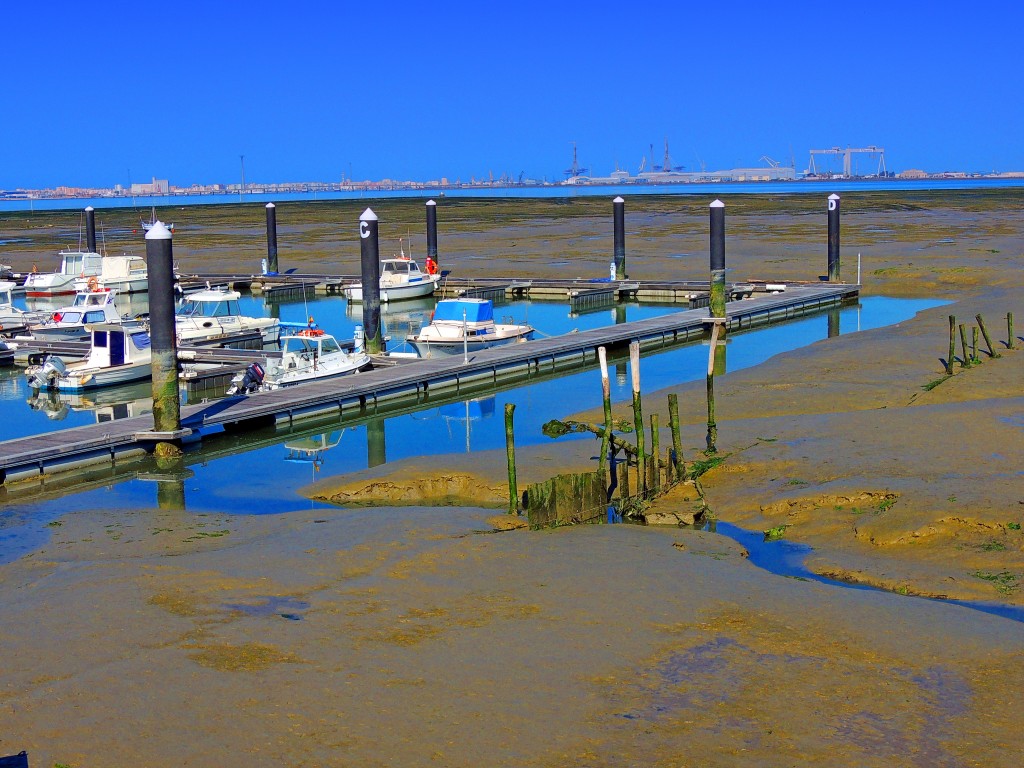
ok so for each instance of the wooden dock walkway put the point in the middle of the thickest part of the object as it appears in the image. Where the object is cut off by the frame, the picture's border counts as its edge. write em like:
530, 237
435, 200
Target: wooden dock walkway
391, 386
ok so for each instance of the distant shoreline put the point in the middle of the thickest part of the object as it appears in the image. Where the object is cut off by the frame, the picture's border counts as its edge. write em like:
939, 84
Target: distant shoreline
800, 186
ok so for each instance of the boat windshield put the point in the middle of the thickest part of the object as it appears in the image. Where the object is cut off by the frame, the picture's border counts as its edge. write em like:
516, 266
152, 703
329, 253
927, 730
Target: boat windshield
298, 344
328, 344
221, 308
403, 267
70, 317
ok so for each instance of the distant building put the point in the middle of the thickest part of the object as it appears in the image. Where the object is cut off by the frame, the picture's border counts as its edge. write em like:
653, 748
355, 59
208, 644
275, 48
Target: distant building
913, 173
157, 187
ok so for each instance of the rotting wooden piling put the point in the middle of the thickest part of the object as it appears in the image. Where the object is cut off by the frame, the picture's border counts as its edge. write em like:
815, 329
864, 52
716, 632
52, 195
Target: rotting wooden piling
952, 345
510, 452
1010, 341
965, 361
638, 418
712, 436
988, 339
974, 345
606, 395
678, 466
655, 454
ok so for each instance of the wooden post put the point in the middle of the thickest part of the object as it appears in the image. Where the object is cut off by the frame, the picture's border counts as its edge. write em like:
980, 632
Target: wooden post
966, 361
712, 437
952, 345
606, 395
638, 418
974, 345
988, 339
678, 467
510, 451
1010, 341
656, 452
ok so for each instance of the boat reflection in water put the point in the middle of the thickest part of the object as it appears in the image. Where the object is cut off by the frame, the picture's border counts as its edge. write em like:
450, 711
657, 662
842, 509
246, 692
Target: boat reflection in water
459, 417
310, 450
107, 404
398, 320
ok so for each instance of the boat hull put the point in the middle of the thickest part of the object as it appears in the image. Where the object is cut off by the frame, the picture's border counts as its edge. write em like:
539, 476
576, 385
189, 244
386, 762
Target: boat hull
449, 348
52, 284
395, 293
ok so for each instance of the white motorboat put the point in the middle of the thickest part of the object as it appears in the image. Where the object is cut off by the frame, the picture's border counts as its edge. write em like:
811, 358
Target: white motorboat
12, 316
73, 265
69, 323
213, 313
124, 274
117, 355
309, 355
400, 278
468, 325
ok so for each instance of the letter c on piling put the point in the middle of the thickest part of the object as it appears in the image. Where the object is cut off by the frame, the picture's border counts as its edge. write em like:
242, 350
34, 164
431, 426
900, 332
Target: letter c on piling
364, 230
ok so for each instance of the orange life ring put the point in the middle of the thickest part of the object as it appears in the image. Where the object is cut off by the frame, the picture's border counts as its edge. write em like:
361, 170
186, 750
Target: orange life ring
93, 283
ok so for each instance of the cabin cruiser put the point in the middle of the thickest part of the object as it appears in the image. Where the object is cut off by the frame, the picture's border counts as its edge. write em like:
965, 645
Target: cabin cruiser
213, 314
124, 274
117, 355
12, 316
309, 355
73, 265
69, 323
465, 325
400, 278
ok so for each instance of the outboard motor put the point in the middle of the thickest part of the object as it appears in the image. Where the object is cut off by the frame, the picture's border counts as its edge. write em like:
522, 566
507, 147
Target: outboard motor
43, 375
248, 382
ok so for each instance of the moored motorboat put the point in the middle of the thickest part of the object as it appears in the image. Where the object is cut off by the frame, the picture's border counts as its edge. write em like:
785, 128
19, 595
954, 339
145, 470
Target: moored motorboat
117, 355
70, 323
213, 313
124, 274
309, 355
400, 278
468, 325
73, 265
12, 316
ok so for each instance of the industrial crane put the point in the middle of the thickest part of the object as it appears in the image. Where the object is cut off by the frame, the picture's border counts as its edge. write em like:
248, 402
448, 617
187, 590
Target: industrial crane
847, 155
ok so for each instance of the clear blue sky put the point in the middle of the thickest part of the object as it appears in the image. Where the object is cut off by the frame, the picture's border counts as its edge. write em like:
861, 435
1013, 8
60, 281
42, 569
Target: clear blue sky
93, 92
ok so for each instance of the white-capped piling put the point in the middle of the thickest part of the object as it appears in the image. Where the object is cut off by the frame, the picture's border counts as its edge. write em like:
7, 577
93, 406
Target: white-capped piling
272, 267
369, 249
833, 238
163, 338
432, 231
90, 228
619, 213
717, 285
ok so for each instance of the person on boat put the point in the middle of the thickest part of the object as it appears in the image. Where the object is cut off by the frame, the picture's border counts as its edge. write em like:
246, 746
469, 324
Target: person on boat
431, 266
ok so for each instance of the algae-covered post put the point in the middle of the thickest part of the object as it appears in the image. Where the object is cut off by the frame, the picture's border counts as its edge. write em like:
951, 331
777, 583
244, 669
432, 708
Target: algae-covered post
272, 268
606, 398
510, 452
432, 231
166, 400
974, 345
988, 339
833, 238
678, 467
638, 418
965, 354
619, 210
90, 228
655, 454
369, 251
952, 345
712, 436
1009, 331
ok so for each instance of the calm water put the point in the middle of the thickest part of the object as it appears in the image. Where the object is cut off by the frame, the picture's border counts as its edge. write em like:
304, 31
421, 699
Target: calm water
271, 466
755, 188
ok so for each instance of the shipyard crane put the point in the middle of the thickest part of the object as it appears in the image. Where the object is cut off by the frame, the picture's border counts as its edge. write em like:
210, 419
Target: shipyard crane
847, 154
772, 163
575, 170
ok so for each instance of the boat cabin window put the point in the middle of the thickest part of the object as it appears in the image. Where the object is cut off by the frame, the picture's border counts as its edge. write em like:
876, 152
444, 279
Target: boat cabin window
222, 308
96, 316
72, 264
5, 296
328, 345
71, 317
398, 266
297, 345
99, 338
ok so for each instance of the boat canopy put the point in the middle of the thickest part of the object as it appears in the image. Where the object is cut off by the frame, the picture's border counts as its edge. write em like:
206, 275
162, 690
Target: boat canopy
479, 311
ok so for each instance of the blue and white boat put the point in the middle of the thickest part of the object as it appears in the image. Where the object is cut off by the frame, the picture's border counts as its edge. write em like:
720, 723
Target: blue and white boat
117, 355
465, 325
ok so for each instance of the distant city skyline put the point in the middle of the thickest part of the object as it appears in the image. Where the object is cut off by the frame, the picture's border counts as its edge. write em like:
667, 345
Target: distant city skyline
320, 91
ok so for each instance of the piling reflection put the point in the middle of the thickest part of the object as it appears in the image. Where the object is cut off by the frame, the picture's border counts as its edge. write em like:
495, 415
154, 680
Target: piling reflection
376, 446
833, 322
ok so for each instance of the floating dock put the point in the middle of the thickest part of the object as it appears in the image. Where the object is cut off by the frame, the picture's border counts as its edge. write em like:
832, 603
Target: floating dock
390, 387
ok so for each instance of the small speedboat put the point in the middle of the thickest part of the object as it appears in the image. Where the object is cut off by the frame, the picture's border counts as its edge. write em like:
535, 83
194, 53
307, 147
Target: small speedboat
70, 323
73, 265
117, 355
400, 278
309, 355
213, 313
468, 325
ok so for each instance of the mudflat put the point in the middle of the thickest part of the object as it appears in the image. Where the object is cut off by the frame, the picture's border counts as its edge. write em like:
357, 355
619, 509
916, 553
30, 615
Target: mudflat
415, 635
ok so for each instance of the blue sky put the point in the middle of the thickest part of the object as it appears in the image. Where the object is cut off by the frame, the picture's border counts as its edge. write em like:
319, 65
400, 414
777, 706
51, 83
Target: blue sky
112, 92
